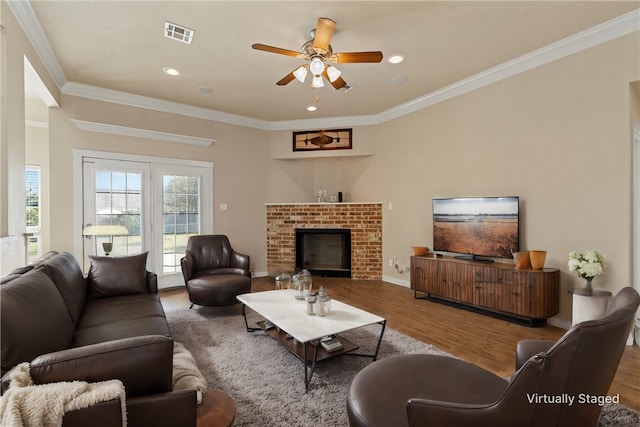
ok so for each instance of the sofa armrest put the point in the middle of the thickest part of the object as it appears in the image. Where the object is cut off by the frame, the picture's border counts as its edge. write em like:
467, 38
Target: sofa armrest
525, 349
143, 364
102, 414
152, 282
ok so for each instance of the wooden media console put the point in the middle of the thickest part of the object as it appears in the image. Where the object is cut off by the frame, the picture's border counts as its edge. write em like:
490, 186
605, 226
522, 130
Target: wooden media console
525, 296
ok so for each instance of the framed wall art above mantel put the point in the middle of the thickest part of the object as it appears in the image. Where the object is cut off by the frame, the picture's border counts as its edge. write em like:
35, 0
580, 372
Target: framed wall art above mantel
326, 139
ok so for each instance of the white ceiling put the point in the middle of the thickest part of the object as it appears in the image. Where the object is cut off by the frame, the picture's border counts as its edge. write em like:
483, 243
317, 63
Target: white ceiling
119, 45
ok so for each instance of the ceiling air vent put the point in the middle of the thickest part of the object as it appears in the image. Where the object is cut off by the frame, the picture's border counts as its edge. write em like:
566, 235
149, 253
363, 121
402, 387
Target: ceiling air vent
176, 32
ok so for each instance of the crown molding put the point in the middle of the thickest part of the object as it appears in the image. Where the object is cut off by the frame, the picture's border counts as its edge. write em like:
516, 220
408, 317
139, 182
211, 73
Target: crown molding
32, 79
27, 19
124, 98
326, 122
141, 133
602, 33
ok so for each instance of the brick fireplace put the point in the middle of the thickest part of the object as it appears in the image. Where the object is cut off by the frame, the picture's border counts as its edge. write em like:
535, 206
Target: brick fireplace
363, 219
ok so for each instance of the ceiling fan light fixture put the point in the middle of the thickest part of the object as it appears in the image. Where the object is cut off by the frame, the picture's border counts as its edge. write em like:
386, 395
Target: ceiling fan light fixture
317, 82
333, 73
320, 58
300, 73
316, 66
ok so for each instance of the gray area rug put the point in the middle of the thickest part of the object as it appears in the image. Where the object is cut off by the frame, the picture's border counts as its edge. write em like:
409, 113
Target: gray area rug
267, 382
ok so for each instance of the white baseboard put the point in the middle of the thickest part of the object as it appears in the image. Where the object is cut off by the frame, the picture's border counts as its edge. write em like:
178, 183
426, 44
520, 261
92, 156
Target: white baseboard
559, 323
393, 280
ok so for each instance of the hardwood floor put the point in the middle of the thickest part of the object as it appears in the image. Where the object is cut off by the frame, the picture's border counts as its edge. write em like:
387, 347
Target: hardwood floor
482, 340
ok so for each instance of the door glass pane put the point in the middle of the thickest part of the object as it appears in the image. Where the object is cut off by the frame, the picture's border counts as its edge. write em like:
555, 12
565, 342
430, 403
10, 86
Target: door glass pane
119, 202
180, 217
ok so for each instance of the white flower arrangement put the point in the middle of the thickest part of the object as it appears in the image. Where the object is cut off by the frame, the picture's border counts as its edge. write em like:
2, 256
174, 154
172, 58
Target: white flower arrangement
586, 264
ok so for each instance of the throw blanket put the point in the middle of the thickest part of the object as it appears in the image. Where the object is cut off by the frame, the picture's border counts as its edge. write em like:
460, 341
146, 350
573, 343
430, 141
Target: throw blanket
186, 375
27, 405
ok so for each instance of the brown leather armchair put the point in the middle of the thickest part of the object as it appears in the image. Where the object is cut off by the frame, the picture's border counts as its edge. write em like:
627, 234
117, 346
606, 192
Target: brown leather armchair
214, 273
430, 390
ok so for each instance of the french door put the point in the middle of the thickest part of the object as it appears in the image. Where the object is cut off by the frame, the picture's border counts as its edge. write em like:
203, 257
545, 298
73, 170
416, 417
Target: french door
116, 193
180, 212
160, 205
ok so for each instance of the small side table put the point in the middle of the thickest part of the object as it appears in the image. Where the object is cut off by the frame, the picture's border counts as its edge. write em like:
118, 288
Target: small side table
588, 306
216, 410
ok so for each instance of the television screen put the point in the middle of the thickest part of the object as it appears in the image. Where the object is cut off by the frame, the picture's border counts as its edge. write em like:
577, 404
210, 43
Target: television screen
483, 226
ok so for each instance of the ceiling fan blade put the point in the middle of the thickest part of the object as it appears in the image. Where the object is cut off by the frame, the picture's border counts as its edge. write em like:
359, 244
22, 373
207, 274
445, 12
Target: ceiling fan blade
286, 79
337, 83
346, 57
324, 32
272, 49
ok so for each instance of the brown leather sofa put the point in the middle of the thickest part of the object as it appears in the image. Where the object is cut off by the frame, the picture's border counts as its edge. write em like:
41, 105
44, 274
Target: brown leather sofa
109, 325
430, 390
213, 272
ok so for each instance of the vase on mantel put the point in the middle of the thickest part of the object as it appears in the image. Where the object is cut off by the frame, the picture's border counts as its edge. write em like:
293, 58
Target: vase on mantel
588, 288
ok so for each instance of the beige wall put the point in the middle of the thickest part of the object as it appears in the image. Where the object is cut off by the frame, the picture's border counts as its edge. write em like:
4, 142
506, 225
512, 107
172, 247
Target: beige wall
14, 46
557, 136
299, 174
239, 157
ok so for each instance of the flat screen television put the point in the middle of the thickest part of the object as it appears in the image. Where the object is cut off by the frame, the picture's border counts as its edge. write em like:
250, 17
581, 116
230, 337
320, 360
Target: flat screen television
476, 226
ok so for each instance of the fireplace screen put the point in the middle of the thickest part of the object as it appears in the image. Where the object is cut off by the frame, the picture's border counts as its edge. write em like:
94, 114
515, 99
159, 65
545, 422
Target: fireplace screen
325, 252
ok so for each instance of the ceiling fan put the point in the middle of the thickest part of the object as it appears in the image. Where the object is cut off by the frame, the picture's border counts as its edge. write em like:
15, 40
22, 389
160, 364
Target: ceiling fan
318, 52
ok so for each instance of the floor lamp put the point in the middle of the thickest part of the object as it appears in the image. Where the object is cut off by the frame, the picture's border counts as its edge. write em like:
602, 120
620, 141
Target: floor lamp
105, 230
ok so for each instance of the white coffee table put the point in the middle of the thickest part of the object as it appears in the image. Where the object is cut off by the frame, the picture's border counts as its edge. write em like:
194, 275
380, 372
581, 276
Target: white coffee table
300, 333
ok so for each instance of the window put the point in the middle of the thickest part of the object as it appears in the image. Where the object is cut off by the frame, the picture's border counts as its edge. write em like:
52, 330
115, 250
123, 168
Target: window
118, 199
33, 212
32, 181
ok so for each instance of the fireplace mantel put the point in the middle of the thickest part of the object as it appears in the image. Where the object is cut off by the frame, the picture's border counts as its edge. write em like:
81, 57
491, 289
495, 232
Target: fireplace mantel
324, 204
364, 219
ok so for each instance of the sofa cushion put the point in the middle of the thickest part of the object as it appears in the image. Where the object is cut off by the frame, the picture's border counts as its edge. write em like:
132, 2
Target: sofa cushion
127, 307
120, 329
34, 319
113, 276
24, 269
66, 273
9, 277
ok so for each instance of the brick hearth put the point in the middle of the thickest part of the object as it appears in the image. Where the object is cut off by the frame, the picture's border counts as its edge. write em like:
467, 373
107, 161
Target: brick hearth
363, 219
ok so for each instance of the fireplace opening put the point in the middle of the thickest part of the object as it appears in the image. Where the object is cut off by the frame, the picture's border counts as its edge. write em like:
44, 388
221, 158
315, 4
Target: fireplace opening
324, 251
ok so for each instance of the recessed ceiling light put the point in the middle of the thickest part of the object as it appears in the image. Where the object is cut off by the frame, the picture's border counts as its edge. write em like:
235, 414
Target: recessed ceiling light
171, 71
346, 89
312, 108
398, 80
395, 59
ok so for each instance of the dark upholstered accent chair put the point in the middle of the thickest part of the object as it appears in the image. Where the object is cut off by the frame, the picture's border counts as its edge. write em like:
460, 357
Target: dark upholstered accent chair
430, 390
213, 272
